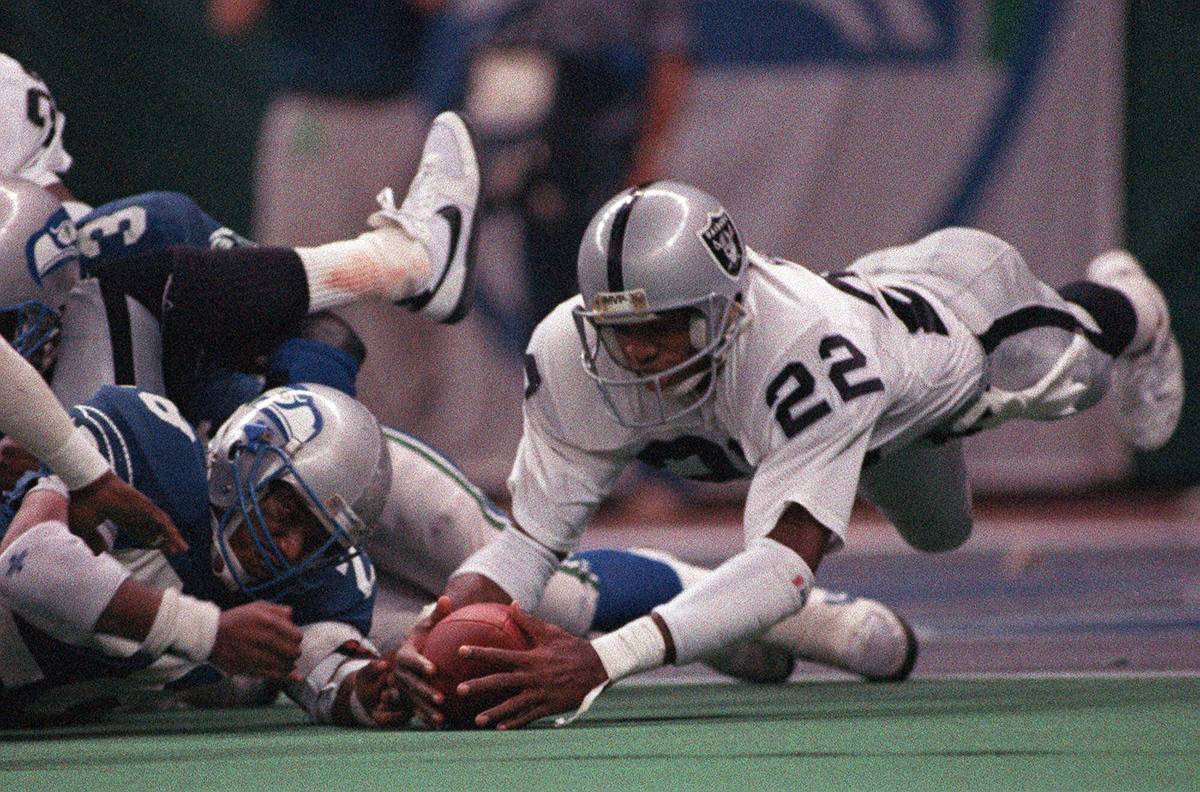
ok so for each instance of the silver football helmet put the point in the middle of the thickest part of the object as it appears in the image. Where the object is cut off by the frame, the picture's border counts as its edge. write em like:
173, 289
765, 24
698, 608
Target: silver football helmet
328, 448
39, 265
650, 252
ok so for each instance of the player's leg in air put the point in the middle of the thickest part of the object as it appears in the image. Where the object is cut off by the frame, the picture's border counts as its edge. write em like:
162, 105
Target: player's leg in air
1049, 354
241, 302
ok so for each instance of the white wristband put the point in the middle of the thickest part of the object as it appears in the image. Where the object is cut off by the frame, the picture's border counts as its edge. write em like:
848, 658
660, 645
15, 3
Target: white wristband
184, 626
76, 461
638, 646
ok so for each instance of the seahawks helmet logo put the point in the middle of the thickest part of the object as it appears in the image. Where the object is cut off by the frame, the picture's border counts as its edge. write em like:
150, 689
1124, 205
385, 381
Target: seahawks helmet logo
51, 247
293, 413
721, 240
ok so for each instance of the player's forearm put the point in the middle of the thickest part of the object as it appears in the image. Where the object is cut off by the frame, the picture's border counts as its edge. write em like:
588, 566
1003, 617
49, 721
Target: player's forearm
32, 416
514, 567
471, 587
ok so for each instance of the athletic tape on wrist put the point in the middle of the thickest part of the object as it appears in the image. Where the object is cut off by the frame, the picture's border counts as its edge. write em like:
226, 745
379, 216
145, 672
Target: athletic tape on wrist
183, 626
516, 563
638, 646
76, 461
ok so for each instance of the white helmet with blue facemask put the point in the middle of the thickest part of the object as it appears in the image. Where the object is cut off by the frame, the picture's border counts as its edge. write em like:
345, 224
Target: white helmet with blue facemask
39, 265
324, 445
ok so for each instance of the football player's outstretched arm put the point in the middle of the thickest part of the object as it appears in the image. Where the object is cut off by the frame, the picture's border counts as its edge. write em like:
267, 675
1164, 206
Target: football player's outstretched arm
749, 593
32, 417
342, 679
56, 583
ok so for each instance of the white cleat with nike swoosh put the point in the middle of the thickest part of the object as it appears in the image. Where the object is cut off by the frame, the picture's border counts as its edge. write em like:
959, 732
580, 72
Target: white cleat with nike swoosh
439, 212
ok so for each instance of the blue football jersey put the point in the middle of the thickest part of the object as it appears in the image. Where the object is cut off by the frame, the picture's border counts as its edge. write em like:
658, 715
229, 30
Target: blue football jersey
152, 447
147, 223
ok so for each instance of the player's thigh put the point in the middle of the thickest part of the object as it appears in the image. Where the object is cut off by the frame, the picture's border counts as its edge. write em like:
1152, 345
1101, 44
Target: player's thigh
1024, 325
924, 492
433, 518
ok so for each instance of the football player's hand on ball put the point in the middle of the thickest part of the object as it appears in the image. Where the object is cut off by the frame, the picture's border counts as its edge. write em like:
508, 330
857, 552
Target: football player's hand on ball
405, 690
411, 678
552, 677
374, 686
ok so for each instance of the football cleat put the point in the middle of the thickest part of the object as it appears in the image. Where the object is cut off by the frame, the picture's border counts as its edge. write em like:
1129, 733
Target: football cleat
1147, 383
439, 212
862, 636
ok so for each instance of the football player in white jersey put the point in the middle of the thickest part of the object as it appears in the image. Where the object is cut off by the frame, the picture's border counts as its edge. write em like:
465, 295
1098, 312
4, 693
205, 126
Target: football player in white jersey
710, 359
31, 129
131, 296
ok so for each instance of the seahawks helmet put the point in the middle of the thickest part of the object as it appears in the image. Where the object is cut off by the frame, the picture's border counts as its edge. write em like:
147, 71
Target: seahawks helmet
39, 264
322, 443
649, 252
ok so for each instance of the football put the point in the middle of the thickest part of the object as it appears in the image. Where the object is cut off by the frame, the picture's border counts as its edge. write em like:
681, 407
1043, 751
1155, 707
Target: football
482, 624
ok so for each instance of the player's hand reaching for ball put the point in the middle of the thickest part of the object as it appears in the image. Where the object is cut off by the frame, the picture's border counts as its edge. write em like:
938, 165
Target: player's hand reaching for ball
258, 639
552, 677
406, 691
410, 682
375, 687
110, 498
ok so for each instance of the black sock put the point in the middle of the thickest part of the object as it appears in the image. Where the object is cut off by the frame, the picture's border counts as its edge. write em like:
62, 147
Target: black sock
214, 306
1111, 309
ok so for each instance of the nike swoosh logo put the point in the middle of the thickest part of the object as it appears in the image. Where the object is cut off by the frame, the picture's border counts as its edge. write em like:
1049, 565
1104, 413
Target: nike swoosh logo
453, 217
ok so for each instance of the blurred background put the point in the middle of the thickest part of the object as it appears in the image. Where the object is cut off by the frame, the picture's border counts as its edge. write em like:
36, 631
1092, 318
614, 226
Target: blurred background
829, 128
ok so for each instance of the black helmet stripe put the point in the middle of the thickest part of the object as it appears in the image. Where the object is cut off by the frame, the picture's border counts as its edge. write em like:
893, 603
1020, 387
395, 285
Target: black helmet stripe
616, 238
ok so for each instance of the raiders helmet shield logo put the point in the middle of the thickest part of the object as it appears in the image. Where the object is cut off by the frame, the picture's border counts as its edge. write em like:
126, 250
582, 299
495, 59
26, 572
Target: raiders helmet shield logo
723, 244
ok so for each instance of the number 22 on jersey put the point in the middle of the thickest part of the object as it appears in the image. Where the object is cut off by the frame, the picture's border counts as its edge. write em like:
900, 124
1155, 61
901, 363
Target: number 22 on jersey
800, 408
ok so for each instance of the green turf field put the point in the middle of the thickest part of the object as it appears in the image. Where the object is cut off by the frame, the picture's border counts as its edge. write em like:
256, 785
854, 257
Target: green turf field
1057, 733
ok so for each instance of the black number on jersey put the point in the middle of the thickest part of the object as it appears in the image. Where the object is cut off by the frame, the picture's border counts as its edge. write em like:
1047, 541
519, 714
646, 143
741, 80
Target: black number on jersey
838, 371
795, 412
697, 458
793, 423
41, 112
913, 310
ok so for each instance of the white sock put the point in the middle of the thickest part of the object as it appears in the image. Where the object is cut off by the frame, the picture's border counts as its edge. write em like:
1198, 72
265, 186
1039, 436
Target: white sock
382, 264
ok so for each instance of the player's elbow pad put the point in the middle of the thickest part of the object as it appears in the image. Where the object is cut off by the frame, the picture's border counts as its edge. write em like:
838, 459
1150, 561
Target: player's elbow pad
516, 563
50, 578
749, 593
